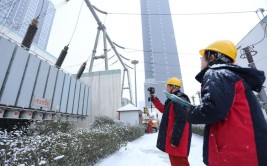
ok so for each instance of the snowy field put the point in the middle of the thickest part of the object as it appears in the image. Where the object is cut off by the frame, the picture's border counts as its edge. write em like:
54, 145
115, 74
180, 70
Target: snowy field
143, 152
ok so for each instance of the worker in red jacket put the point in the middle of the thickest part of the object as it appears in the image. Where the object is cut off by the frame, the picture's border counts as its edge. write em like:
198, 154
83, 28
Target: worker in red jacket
149, 126
174, 135
235, 129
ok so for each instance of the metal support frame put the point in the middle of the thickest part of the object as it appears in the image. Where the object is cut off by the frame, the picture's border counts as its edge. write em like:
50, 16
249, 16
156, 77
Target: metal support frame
128, 87
262, 94
106, 38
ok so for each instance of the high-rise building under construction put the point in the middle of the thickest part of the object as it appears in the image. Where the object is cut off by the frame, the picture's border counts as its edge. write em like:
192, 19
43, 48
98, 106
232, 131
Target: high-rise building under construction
160, 52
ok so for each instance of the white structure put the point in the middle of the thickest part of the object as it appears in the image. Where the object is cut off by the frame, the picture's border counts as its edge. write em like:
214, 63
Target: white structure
130, 114
106, 92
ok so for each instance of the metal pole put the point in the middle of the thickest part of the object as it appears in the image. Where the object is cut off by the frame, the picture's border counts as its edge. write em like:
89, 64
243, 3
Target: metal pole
129, 84
94, 50
105, 50
134, 62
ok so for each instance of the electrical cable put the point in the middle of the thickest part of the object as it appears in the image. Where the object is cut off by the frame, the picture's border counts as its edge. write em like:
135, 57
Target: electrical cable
76, 23
140, 50
100, 11
118, 45
56, 7
172, 73
111, 57
258, 15
40, 11
158, 63
151, 51
264, 35
75, 65
124, 57
128, 66
165, 14
173, 14
197, 67
114, 62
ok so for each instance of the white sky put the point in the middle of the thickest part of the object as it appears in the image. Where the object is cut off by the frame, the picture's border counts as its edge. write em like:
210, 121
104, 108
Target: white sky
192, 33
143, 152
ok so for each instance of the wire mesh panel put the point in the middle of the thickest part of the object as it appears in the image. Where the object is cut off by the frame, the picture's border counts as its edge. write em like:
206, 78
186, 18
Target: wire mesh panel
14, 77
30, 75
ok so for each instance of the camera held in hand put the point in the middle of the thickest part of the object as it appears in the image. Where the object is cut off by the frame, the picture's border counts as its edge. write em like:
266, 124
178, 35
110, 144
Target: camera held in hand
152, 92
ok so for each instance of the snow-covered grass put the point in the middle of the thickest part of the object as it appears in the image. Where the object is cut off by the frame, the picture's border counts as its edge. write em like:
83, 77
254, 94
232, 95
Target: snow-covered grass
57, 143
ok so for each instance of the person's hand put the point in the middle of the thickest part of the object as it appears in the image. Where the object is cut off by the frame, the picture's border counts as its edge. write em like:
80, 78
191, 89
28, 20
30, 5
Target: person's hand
152, 97
173, 145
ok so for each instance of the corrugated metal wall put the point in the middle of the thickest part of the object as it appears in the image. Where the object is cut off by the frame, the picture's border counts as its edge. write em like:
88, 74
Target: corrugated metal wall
106, 92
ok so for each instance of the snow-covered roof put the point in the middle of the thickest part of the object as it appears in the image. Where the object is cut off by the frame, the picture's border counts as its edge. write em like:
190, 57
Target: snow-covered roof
129, 107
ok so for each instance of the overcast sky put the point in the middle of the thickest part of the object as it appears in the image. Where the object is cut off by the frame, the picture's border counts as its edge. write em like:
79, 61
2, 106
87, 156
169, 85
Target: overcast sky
196, 24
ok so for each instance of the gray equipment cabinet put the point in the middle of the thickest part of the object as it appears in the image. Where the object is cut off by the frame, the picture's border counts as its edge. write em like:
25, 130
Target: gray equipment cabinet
32, 88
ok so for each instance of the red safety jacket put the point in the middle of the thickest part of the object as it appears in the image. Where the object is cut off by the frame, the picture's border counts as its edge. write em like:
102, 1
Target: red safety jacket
174, 129
235, 131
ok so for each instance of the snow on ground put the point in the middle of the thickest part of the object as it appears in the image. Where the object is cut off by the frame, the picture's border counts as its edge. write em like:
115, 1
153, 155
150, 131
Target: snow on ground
143, 152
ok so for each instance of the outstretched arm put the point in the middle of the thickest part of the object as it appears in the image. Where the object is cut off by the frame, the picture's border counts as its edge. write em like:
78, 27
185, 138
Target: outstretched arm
158, 104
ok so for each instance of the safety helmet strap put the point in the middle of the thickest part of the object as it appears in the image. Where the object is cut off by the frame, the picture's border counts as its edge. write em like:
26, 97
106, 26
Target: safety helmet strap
217, 56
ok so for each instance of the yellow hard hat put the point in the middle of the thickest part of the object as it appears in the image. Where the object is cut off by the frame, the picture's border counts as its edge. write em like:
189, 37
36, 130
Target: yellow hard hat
174, 81
225, 47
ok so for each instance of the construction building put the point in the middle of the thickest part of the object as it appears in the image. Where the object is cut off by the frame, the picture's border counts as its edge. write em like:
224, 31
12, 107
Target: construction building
161, 60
